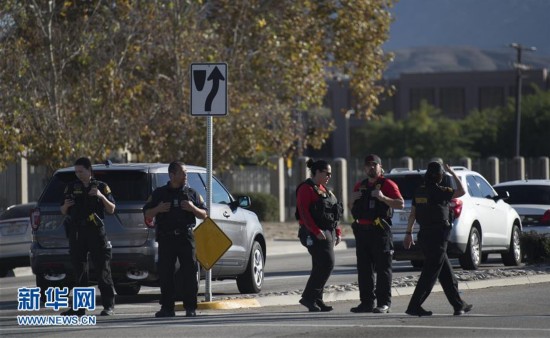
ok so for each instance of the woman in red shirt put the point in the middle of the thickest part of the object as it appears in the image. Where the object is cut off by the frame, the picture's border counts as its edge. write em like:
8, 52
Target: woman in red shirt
319, 212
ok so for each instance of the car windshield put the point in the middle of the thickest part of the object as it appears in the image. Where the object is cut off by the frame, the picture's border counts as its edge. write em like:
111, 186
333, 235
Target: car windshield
526, 194
408, 183
127, 186
18, 211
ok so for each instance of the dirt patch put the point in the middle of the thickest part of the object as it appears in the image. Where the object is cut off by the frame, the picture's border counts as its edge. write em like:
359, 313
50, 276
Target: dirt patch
289, 230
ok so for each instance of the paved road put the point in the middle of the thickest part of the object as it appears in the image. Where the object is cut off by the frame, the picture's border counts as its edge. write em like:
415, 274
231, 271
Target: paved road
514, 311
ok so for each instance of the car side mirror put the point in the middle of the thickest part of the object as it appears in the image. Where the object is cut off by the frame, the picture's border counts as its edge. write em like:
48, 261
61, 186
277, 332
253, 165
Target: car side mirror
503, 195
241, 201
244, 201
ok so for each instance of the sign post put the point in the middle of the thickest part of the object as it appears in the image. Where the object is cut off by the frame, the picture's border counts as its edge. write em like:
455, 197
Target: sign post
208, 98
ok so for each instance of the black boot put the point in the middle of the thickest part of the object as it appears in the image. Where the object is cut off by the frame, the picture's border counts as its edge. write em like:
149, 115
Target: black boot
108, 307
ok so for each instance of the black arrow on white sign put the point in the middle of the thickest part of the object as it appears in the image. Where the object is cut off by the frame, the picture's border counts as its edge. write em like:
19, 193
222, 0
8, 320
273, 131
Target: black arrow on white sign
215, 77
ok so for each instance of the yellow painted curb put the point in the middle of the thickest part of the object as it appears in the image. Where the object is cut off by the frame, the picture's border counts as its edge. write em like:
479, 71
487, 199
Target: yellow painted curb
224, 304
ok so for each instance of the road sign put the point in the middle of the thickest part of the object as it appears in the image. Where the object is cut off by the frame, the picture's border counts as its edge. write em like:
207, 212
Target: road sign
208, 89
211, 242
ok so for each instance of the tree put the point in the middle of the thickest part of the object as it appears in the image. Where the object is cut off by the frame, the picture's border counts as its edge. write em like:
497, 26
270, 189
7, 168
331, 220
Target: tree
92, 77
424, 134
492, 131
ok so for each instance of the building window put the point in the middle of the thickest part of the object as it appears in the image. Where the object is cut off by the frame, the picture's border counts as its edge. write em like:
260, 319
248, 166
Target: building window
422, 94
491, 97
452, 102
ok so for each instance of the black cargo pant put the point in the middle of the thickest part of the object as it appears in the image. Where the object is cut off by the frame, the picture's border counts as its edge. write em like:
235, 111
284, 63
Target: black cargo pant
433, 242
181, 247
373, 248
84, 238
322, 262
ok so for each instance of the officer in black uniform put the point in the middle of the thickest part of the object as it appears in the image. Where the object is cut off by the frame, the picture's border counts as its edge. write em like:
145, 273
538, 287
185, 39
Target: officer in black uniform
85, 203
318, 212
430, 209
372, 203
175, 208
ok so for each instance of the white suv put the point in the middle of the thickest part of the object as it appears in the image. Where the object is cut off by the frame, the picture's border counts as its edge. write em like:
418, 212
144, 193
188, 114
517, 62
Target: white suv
482, 221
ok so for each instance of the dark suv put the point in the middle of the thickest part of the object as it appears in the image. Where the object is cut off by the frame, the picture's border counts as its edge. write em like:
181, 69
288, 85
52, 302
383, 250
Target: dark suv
133, 242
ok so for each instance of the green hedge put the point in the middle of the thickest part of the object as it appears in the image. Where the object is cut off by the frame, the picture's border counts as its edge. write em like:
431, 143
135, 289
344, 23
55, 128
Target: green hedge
535, 247
266, 206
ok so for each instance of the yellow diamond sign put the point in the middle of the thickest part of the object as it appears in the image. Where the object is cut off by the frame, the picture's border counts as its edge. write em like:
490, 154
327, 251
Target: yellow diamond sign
211, 242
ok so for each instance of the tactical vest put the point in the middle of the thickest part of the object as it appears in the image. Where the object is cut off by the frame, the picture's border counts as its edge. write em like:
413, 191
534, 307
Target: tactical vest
85, 205
368, 207
326, 211
176, 217
430, 211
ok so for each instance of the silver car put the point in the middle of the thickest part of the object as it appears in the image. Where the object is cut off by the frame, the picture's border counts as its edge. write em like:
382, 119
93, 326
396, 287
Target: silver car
134, 248
531, 199
15, 237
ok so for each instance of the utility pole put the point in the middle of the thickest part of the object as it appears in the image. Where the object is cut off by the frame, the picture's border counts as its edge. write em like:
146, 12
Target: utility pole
519, 68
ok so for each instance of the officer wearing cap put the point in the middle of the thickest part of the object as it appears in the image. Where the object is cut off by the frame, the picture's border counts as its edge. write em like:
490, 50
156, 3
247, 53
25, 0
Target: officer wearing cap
430, 209
175, 208
372, 203
85, 202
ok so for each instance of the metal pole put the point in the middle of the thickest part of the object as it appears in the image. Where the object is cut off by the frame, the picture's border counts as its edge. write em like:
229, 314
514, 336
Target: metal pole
519, 67
518, 101
209, 132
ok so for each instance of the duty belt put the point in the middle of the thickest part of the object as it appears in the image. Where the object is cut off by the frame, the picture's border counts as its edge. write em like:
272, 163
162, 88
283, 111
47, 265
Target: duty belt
176, 232
378, 222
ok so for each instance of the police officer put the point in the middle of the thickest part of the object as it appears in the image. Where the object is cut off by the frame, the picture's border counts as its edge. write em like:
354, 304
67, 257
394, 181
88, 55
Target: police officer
430, 209
175, 208
85, 202
372, 203
318, 213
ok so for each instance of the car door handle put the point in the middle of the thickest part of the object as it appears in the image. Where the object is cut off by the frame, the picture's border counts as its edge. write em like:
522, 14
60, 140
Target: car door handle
226, 214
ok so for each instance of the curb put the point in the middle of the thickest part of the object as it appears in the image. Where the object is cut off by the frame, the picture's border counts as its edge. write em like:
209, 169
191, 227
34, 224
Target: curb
287, 300
224, 305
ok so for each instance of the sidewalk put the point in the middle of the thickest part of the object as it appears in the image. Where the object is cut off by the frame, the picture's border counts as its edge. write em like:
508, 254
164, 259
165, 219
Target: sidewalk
289, 246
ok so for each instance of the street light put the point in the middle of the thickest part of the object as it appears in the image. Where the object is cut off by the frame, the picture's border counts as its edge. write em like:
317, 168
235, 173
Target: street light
519, 67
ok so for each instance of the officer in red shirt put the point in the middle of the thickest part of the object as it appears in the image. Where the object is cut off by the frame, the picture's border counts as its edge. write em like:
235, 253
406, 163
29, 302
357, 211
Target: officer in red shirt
318, 212
372, 203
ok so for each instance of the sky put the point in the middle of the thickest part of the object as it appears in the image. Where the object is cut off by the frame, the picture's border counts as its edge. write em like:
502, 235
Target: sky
486, 24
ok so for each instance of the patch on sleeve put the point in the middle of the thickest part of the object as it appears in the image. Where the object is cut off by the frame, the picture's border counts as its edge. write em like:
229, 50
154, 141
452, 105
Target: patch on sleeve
107, 189
421, 200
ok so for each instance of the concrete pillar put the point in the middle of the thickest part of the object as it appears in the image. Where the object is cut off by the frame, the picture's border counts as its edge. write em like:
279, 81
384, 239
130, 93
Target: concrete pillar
22, 181
277, 183
543, 166
340, 181
406, 162
519, 167
466, 162
493, 176
303, 171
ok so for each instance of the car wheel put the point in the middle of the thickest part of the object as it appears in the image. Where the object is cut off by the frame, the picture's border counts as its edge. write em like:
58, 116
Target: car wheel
472, 257
127, 289
417, 263
252, 279
513, 256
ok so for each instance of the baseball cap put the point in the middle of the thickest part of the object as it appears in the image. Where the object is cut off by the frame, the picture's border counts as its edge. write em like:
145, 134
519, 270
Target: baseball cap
373, 158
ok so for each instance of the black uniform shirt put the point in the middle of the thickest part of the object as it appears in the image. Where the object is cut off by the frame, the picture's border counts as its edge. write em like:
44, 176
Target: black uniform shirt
431, 202
176, 217
86, 205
